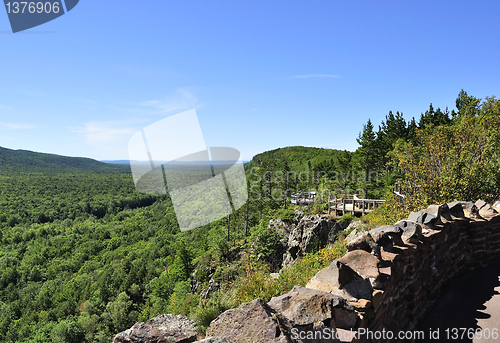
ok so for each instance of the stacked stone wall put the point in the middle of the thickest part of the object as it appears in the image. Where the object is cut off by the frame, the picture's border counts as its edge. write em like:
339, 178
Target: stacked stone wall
456, 238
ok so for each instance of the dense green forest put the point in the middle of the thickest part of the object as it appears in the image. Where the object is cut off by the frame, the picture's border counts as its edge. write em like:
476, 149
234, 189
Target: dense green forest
83, 255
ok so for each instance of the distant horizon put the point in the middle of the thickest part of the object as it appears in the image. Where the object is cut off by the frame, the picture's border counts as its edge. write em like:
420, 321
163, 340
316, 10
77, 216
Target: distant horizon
127, 161
170, 162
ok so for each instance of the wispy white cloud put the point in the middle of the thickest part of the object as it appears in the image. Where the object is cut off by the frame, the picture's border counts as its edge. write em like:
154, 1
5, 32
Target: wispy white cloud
17, 126
97, 133
109, 138
309, 76
183, 99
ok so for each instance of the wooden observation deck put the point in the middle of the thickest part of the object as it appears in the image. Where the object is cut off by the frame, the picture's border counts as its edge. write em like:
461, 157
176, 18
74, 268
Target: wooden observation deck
353, 204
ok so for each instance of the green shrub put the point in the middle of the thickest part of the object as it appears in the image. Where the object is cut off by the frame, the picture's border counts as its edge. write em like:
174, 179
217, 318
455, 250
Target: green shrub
208, 310
286, 215
346, 219
257, 283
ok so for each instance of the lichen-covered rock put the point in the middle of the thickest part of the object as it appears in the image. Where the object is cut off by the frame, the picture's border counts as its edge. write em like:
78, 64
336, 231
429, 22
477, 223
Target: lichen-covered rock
165, 328
341, 280
252, 322
356, 229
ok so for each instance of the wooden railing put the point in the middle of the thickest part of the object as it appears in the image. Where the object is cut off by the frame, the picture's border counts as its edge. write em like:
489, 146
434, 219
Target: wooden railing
353, 205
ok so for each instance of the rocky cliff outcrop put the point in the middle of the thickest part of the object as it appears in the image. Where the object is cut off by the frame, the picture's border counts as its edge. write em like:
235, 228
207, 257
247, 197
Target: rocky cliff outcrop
305, 234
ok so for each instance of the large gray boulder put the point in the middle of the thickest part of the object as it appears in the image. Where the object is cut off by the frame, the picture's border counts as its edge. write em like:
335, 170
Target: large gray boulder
307, 310
341, 280
251, 322
165, 328
304, 306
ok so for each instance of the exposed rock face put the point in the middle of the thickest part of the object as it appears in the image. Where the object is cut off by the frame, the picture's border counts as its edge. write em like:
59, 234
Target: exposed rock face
252, 322
307, 311
340, 279
305, 234
206, 279
302, 306
165, 328
200, 269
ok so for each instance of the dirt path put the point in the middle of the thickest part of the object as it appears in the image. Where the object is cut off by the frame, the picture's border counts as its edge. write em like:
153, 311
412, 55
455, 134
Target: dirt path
471, 302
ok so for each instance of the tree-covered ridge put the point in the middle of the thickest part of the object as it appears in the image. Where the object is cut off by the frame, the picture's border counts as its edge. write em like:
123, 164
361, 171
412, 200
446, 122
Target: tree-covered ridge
23, 161
297, 157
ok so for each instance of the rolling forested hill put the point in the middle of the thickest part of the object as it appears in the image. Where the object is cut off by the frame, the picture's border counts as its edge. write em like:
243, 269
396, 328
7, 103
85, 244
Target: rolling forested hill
39, 188
23, 161
298, 157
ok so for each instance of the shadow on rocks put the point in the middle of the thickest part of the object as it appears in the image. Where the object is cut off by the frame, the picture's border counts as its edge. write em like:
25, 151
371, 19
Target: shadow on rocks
461, 305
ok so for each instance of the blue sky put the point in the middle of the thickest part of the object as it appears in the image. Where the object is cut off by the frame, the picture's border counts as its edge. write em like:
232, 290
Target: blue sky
260, 74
